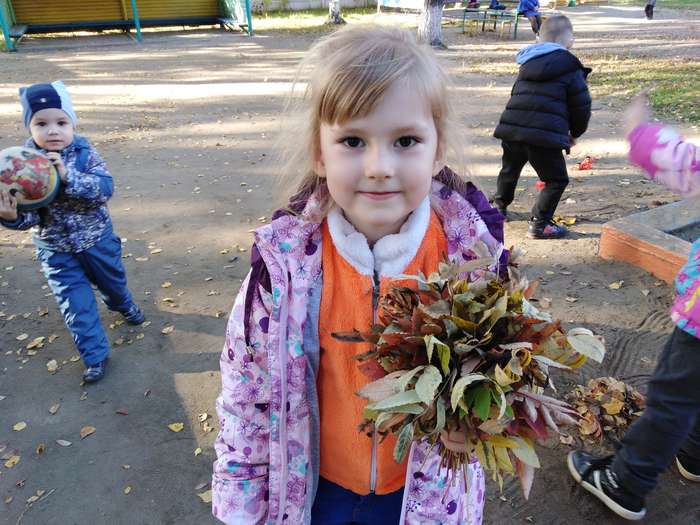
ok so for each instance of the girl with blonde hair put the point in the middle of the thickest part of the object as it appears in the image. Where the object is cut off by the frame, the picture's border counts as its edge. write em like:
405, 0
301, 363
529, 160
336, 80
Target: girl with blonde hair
374, 200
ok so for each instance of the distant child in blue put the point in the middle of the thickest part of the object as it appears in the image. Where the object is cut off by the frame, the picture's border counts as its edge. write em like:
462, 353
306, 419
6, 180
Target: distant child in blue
74, 238
531, 9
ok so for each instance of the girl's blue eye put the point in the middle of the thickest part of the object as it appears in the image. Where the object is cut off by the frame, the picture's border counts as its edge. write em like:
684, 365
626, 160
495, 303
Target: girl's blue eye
407, 142
352, 142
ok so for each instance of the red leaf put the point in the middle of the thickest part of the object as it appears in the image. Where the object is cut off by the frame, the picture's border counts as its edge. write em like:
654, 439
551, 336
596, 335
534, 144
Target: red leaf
372, 370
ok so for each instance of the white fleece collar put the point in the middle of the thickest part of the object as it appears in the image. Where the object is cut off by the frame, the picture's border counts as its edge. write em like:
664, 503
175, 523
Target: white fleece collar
391, 254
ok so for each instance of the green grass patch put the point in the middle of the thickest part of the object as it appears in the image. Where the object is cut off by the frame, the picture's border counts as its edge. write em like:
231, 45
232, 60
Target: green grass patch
671, 4
675, 89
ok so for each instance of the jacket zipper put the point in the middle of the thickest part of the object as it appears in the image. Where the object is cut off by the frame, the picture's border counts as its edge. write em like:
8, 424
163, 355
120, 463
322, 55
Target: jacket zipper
375, 440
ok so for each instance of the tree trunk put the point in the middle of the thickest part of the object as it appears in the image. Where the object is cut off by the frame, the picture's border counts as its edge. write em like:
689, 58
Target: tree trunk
430, 23
334, 12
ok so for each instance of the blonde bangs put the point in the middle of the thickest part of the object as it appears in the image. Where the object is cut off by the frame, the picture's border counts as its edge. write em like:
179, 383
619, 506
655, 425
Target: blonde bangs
348, 73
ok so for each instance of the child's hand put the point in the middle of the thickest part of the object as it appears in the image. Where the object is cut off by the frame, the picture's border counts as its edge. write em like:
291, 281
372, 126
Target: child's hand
57, 162
637, 112
8, 206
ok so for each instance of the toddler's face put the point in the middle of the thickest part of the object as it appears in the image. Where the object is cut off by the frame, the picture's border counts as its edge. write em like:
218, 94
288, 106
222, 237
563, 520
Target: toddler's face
379, 167
51, 129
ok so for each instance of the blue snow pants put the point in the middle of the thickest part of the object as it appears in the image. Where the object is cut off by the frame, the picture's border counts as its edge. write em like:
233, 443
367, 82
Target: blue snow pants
71, 277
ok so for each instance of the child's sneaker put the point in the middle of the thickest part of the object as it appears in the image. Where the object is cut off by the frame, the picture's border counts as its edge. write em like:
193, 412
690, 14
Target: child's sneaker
134, 315
596, 476
94, 373
688, 467
542, 229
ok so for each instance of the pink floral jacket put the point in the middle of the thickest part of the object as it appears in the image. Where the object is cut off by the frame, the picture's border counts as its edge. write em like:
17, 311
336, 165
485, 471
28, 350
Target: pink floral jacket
266, 470
669, 160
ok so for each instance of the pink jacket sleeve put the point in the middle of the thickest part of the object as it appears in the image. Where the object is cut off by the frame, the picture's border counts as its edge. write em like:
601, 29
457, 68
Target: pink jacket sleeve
666, 158
240, 479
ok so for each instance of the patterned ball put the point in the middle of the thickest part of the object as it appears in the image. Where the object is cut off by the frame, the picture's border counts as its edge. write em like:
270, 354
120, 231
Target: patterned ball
29, 176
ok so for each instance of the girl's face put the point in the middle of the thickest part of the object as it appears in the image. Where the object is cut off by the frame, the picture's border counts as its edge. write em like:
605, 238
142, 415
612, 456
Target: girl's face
51, 129
379, 167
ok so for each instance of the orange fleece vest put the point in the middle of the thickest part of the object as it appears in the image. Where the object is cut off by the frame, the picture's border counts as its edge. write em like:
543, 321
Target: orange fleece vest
346, 304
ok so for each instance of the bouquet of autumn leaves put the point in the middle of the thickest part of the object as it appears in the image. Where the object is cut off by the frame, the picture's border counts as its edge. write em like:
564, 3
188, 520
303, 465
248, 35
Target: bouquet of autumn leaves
462, 362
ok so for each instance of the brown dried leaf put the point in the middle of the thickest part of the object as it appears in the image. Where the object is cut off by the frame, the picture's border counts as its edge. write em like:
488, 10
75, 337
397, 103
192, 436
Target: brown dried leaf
86, 431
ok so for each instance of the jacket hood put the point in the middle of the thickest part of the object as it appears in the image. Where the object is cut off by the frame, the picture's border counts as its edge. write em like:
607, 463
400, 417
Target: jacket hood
546, 62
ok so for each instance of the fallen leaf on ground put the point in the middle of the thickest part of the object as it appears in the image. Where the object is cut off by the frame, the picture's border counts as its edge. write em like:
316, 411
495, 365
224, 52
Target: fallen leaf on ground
616, 285
126, 467
167, 329
140, 259
52, 338
205, 496
52, 366
40, 448
176, 427
202, 485
74, 359
645, 292
86, 431
166, 284
12, 461
18, 427
63, 443
36, 343
203, 417
54, 408
197, 451
156, 251
122, 412
22, 337
127, 489
84, 395
8, 500
566, 439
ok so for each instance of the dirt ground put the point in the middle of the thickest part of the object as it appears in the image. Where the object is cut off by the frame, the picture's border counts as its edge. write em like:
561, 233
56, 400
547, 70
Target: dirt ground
187, 122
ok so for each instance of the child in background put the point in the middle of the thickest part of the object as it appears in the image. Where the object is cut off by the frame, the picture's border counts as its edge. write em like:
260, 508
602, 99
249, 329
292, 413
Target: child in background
74, 238
669, 428
531, 9
374, 201
549, 108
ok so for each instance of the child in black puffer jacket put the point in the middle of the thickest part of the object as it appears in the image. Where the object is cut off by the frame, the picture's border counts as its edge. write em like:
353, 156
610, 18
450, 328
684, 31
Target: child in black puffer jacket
549, 108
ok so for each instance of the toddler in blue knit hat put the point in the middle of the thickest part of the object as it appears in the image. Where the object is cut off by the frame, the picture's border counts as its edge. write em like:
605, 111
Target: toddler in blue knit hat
75, 241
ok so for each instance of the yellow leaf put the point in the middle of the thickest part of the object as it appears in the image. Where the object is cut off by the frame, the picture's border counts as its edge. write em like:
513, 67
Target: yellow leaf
614, 406
167, 329
166, 284
616, 285
19, 426
197, 451
127, 489
52, 338
203, 417
74, 359
176, 427
205, 496
12, 461
52, 366
36, 343
86, 431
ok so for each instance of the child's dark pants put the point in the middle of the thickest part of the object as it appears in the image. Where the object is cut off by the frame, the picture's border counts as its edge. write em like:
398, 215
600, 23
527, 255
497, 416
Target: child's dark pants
670, 422
550, 166
335, 505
